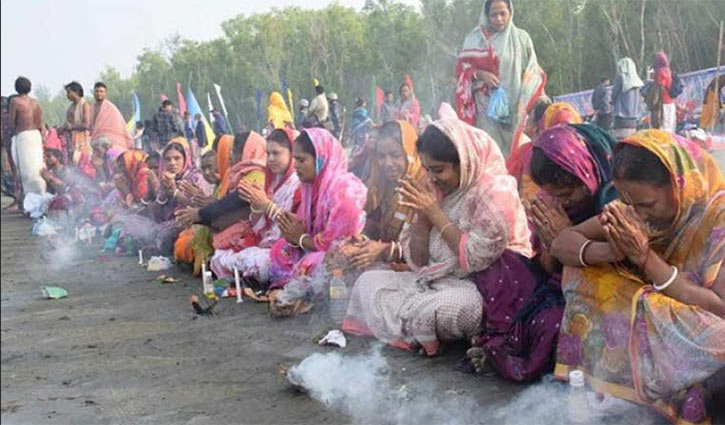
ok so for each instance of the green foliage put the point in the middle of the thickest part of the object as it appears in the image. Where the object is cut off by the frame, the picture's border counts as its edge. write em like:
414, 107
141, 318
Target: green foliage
577, 42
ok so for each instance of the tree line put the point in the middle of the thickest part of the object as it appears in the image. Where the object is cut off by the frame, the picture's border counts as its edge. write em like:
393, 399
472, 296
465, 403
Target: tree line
577, 43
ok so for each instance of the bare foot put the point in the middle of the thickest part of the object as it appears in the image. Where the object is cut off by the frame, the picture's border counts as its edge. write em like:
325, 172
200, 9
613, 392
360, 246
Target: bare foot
478, 359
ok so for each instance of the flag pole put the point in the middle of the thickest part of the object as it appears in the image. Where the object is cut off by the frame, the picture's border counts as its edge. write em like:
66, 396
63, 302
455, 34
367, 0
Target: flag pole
717, 76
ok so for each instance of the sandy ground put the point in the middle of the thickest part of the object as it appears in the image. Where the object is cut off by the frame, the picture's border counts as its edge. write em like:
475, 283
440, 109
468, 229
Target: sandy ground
122, 349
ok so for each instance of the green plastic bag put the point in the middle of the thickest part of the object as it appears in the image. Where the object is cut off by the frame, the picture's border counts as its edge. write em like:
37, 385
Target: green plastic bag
53, 292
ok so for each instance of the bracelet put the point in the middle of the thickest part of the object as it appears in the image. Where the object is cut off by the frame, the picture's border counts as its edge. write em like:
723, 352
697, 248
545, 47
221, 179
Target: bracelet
145, 202
672, 278
581, 253
443, 229
160, 202
299, 243
255, 211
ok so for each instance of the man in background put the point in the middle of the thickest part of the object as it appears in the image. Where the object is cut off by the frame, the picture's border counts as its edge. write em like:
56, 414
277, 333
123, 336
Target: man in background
602, 105
167, 124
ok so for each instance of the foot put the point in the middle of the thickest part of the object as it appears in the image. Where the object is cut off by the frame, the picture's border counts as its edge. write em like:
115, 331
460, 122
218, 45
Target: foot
477, 357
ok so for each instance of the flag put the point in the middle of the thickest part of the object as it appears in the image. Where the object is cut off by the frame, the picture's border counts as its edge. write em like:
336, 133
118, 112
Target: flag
316, 82
182, 102
409, 82
379, 98
218, 90
131, 124
373, 97
209, 107
164, 97
194, 108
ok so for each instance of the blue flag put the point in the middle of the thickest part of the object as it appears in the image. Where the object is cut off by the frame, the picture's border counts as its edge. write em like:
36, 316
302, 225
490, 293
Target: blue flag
193, 107
259, 105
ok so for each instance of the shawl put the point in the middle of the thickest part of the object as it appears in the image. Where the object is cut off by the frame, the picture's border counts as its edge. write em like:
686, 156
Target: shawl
393, 215
584, 151
628, 71
331, 205
136, 172
75, 113
277, 111
254, 157
109, 123
695, 242
489, 212
510, 53
189, 173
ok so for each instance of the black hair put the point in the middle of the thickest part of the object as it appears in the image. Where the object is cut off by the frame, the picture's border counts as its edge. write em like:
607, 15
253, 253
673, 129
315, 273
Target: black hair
605, 78
489, 3
545, 171
360, 101
75, 87
279, 136
403, 85
439, 146
387, 92
240, 139
215, 142
22, 85
99, 84
208, 154
637, 164
166, 103
319, 89
147, 123
177, 147
305, 143
55, 152
390, 130
139, 124
153, 156
540, 109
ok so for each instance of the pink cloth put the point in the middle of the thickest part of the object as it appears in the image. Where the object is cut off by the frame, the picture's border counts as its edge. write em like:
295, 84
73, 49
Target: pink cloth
109, 123
52, 141
254, 157
331, 206
493, 217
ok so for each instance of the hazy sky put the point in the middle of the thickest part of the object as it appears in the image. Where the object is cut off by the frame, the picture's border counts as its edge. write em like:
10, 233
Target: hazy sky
55, 41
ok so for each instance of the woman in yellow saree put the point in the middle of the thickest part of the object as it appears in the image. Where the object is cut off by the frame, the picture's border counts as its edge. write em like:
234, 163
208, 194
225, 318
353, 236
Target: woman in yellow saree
645, 282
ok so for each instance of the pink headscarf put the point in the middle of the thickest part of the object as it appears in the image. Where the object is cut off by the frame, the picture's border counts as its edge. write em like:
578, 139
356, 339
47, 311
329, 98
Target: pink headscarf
254, 157
332, 185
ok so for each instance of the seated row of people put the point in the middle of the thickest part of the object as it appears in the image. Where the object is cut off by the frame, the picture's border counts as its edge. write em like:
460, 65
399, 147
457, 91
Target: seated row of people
604, 257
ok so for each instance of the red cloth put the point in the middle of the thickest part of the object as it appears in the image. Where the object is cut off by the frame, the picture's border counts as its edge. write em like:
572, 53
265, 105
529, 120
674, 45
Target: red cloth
663, 78
466, 67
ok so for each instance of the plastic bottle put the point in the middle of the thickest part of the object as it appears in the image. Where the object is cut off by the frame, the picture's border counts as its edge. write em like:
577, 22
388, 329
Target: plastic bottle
338, 297
578, 409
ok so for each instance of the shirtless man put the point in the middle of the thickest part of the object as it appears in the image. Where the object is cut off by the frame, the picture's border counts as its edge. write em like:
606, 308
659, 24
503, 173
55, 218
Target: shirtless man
28, 134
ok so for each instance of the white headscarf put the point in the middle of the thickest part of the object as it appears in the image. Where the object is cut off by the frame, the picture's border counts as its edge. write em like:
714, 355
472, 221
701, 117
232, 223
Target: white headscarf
628, 70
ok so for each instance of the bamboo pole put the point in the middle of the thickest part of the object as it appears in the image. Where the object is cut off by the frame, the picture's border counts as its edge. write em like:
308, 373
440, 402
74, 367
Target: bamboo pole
717, 76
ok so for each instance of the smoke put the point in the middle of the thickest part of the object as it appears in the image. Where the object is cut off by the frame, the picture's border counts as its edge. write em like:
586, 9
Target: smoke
366, 389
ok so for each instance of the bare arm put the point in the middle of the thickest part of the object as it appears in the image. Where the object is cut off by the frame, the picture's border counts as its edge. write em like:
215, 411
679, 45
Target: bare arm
12, 117
86, 122
566, 246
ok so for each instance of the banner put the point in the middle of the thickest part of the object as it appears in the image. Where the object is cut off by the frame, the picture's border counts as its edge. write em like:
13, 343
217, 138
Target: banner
379, 98
194, 108
131, 124
182, 102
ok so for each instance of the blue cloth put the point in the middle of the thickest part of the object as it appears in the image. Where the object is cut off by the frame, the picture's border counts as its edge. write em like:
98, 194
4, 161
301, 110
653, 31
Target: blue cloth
220, 124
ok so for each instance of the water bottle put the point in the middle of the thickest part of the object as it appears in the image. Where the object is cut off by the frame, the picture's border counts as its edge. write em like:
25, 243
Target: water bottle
338, 297
578, 410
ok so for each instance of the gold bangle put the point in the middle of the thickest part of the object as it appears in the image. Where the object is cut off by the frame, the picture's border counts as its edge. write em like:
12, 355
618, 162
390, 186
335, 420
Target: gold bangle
443, 229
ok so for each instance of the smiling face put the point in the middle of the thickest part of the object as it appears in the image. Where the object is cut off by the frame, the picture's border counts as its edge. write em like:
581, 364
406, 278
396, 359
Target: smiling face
173, 161
210, 170
392, 158
304, 164
278, 157
655, 204
499, 16
446, 176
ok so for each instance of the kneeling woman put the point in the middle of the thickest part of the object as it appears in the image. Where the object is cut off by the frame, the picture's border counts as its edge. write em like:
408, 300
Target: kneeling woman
473, 220
331, 209
250, 255
645, 282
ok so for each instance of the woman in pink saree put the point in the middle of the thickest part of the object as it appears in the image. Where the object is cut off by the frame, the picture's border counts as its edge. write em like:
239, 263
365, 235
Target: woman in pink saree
331, 209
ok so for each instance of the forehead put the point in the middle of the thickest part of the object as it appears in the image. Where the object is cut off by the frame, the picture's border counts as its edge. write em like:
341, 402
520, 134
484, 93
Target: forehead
498, 7
636, 192
430, 162
389, 145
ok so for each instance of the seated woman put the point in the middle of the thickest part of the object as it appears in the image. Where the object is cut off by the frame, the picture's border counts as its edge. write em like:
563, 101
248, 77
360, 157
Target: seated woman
473, 220
239, 158
395, 157
250, 254
571, 164
331, 209
102, 162
161, 230
54, 172
132, 178
645, 283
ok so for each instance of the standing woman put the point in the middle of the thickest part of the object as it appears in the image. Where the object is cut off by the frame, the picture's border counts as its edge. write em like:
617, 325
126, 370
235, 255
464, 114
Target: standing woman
626, 99
408, 108
497, 54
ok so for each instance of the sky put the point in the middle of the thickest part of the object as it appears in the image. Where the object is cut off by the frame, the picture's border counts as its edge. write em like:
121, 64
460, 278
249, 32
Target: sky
53, 42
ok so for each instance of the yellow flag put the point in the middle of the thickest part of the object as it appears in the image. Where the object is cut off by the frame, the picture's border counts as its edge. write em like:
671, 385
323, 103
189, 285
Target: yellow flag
316, 82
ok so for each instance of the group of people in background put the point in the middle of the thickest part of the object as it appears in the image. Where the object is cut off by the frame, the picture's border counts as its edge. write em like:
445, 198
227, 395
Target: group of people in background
548, 243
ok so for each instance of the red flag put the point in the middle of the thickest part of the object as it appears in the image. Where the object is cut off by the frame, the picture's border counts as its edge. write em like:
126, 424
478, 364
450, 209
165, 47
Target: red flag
379, 98
164, 97
409, 82
182, 102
